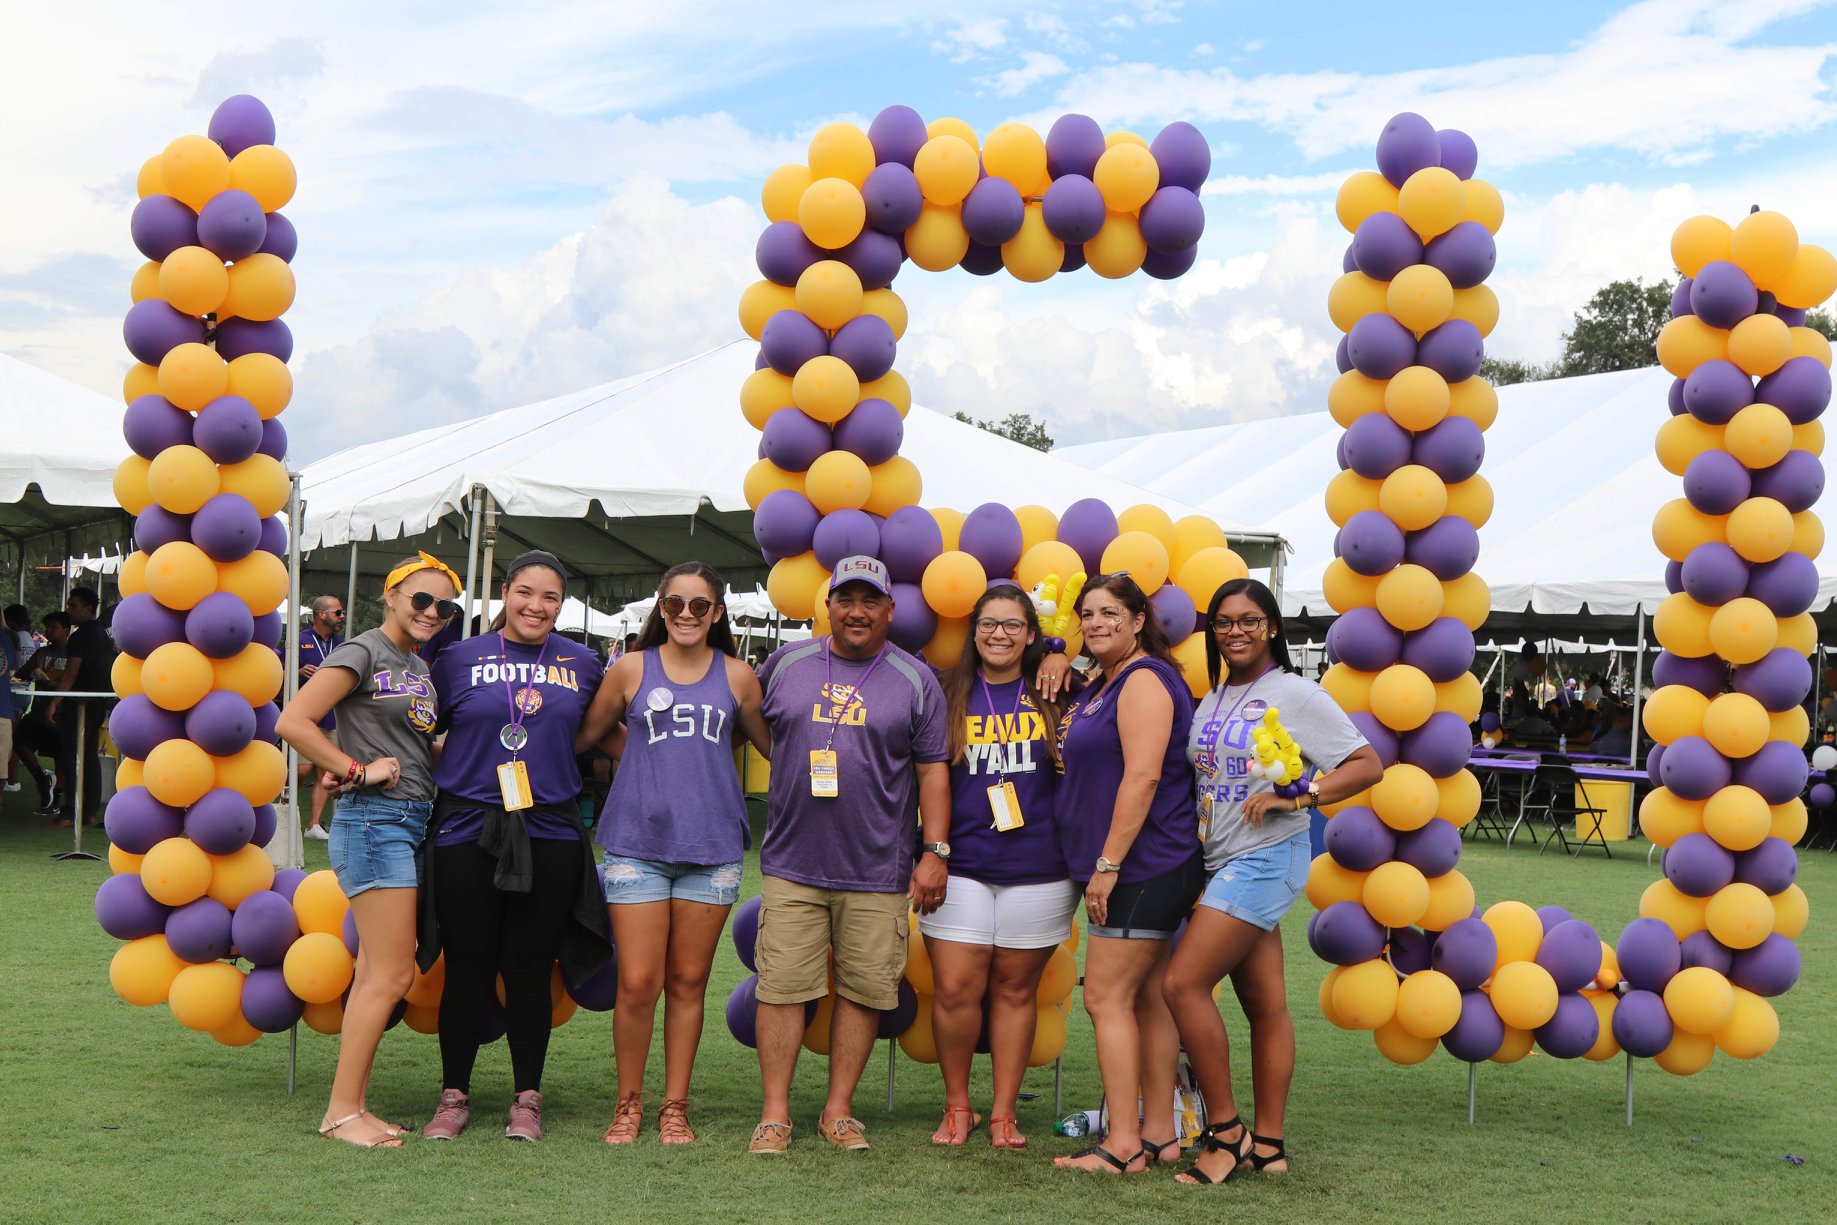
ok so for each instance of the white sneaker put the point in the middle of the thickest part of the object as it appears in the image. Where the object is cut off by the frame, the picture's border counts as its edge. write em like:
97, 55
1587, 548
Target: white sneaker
12, 787
318, 833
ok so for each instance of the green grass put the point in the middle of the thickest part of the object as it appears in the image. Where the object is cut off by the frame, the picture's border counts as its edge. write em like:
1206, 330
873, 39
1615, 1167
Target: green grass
114, 1113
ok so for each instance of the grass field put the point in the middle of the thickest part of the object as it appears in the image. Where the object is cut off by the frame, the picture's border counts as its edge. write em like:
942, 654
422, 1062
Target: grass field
114, 1113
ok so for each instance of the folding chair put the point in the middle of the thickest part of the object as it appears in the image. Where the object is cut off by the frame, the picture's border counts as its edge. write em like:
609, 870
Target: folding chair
1491, 820
1555, 787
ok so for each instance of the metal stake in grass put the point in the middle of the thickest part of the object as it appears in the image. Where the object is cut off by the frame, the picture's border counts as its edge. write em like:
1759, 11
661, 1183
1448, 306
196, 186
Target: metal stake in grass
1629, 1088
1473, 1084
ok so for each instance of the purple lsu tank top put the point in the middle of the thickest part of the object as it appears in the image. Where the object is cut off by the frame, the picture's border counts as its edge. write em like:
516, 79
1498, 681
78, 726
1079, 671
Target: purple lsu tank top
676, 797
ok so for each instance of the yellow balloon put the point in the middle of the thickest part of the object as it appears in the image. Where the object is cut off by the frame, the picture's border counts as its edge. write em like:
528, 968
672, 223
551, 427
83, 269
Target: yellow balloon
792, 585
1142, 555
176, 675
253, 673
918, 1042
1760, 344
887, 305
1048, 1036
1472, 500
1743, 630
1118, 249
831, 212
946, 168
149, 181
1144, 517
1363, 193
784, 190
182, 478
1524, 994
1432, 201
1467, 599
946, 645
191, 375
1810, 342
1450, 895
1479, 306
1403, 698
1809, 437
1033, 254
255, 772
1365, 995
952, 583
1761, 529
318, 968
760, 301
1400, 1046
207, 997
261, 287
1807, 534
260, 478
1791, 912
1789, 820
124, 677
265, 173
1682, 626
1191, 533
238, 1032
1517, 929
1190, 657
1413, 497
1699, 1000
1349, 689
176, 870
1810, 279
327, 1018
1328, 883
142, 970
1739, 915
243, 873
1049, 557
896, 485
1605, 1046
140, 380
829, 292
1673, 712
1015, 152
1038, 525
763, 393
1396, 894
1483, 204
1420, 296
949, 126
1406, 797
826, 388
1687, 1054
842, 151
950, 526
1698, 241
1759, 435
120, 863
892, 388
179, 574
1353, 395
1799, 633
1326, 998
766, 477
1753, 1027
1683, 438
1763, 246
1126, 175
195, 168
263, 380
132, 475
1410, 597
1348, 493
1679, 527
1417, 397
1664, 817
1737, 818
1206, 571
937, 240
1687, 342
1354, 296
178, 772
1461, 696
319, 904
838, 480
193, 280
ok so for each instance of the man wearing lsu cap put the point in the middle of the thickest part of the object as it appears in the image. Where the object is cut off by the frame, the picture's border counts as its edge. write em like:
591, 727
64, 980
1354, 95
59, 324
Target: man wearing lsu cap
858, 751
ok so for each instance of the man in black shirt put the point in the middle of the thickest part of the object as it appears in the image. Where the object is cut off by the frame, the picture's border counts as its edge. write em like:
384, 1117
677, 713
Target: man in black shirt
90, 660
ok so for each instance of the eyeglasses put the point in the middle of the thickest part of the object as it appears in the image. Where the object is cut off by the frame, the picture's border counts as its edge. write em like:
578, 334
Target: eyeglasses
1013, 626
336, 612
1249, 625
673, 605
421, 601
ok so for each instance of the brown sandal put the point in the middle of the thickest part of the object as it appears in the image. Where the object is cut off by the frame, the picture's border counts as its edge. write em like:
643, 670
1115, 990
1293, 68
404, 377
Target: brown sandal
627, 1116
950, 1140
330, 1132
1005, 1123
673, 1121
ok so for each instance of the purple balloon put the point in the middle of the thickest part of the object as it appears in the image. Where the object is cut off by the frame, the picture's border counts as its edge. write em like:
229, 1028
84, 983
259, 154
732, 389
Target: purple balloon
267, 1004
152, 424
348, 932
1370, 542
1697, 865
866, 344
222, 822
274, 439
1801, 389
1716, 390
1778, 680
156, 526
241, 337
992, 535
1680, 303
786, 521
1073, 209
153, 329
873, 429
1364, 641
1376, 446
142, 623
1165, 267
161, 225
1674, 398
1407, 144
783, 253
1797, 481
283, 241
1467, 952
790, 339
1716, 483
1713, 573
1074, 258
893, 199
993, 212
1433, 849
599, 991
1571, 1032
228, 430
742, 1012
1359, 842
897, 134
1674, 577
1347, 263
1452, 350
874, 257
1175, 610
1778, 770
1446, 548
1464, 254
745, 932
1769, 968
267, 820
981, 259
240, 121
1380, 347
909, 540
1459, 155
1791, 316
1550, 916
1703, 949
793, 440
1171, 221
1073, 145
1345, 935
1342, 355
1443, 649
1770, 867
1088, 526
845, 533
227, 527
136, 822
914, 624
286, 881
1722, 295
138, 726
1706, 675
1489, 721
1648, 954
1642, 1026
898, 1019
1382, 739
1478, 1032
1441, 746
1571, 952
232, 225
221, 723
1182, 154
1384, 245
126, 911
199, 931
1410, 950
1693, 769
1822, 796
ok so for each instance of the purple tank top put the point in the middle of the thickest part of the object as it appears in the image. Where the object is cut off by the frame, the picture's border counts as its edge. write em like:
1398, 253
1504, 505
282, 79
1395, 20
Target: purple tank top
676, 797
1092, 753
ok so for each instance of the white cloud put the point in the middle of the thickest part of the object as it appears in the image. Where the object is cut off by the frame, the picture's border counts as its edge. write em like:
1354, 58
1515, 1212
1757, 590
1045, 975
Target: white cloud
1326, 183
971, 39
1035, 67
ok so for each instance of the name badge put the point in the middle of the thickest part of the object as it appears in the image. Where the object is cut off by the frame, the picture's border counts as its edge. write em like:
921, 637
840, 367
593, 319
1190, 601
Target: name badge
513, 783
1005, 806
823, 777
1205, 811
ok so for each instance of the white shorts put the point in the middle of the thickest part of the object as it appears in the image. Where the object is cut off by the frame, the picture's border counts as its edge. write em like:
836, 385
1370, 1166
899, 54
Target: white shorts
1006, 916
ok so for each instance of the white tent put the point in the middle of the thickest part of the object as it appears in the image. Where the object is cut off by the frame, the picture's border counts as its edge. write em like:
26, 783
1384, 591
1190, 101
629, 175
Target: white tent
60, 444
1571, 463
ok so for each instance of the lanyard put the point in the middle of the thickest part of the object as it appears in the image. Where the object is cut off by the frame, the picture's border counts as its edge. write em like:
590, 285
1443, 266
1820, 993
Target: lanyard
1208, 751
1020, 690
319, 646
829, 671
516, 708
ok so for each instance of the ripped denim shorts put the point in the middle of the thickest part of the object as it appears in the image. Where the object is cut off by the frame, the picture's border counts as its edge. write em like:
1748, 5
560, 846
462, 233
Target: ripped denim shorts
627, 880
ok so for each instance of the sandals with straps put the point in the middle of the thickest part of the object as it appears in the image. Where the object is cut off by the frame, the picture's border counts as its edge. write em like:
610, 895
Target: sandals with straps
950, 1140
330, 1132
1118, 1165
1155, 1151
627, 1117
673, 1121
1259, 1162
1005, 1132
1212, 1141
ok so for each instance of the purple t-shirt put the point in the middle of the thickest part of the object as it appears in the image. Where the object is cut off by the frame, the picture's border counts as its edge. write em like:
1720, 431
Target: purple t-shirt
880, 723
475, 680
676, 797
1003, 743
1092, 754
314, 651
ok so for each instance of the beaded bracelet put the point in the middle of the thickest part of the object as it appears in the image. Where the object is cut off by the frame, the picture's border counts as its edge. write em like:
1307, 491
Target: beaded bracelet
1054, 646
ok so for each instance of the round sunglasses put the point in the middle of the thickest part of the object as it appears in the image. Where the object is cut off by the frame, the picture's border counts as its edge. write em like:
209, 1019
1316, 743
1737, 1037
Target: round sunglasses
673, 606
421, 601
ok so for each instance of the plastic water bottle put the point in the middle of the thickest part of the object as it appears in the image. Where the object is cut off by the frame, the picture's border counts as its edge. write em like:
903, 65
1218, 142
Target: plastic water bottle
1562, 744
1077, 1123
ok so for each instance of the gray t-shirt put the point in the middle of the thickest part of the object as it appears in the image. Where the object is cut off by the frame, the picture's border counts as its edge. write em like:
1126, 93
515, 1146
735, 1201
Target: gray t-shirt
1221, 750
390, 713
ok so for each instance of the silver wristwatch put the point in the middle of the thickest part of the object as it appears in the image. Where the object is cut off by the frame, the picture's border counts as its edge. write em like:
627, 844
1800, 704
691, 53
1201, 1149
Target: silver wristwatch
940, 849
1104, 865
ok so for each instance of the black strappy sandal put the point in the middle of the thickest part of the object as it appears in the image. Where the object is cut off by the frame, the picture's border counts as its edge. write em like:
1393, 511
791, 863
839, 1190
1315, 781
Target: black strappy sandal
1119, 1164
1258, 1161
1211, 1141
1154, 1151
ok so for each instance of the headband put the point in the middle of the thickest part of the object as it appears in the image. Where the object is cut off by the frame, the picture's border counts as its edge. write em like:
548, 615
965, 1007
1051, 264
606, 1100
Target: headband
426, 561
536, 557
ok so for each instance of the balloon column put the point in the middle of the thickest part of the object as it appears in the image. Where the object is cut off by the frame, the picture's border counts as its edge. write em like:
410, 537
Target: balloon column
830, 407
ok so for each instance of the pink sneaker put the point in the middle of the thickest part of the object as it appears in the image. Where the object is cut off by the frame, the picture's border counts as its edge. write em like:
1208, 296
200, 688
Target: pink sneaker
450, 1118
525, 1117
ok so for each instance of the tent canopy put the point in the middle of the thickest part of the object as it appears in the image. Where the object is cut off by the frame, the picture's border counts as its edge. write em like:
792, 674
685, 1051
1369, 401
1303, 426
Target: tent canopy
62, 444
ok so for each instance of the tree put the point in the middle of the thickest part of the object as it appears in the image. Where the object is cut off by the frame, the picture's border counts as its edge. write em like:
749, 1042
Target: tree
1618, 329
1019, 427
1822, 322
1503, 372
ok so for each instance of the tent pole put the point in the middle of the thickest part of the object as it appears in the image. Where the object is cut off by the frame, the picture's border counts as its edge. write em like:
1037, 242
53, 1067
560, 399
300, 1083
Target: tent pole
350, 588
1639, 661
22, 573
472, 557
490, 548
288, 848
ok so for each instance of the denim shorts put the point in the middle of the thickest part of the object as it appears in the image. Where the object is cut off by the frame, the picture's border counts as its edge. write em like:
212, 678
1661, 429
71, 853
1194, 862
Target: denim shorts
627, 881
1259, 886
376, 842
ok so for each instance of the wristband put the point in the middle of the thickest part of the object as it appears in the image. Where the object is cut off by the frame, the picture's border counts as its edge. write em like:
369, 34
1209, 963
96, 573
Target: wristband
353, 774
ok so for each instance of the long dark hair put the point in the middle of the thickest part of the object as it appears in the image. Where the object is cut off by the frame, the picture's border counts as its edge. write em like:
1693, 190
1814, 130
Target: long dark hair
720, 632
958, 682
1152, 639
1264, 599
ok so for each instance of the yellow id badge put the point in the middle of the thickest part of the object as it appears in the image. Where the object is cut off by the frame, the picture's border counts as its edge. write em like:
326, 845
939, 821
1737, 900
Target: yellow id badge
823, 781
513, 782
1005, 806
1205, 810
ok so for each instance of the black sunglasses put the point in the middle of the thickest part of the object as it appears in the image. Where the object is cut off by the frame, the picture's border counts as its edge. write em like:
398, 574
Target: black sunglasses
673, 605
421, 601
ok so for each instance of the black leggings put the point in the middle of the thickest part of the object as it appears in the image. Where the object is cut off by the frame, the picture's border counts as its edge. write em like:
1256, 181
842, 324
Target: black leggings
486, 932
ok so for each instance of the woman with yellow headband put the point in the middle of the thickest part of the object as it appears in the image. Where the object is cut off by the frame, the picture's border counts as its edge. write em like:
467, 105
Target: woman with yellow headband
380, 691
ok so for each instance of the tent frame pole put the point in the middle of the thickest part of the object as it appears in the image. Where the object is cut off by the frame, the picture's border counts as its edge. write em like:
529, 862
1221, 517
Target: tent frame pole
350, 588
472, 556
288, 848
1639, 660
491, 548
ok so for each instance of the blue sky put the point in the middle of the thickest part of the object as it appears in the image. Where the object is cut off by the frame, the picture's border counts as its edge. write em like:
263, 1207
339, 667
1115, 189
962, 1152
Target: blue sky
500, 203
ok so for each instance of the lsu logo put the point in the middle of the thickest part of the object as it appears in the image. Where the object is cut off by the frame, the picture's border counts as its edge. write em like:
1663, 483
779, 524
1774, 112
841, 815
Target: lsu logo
421, 714
839, 704
529, 699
